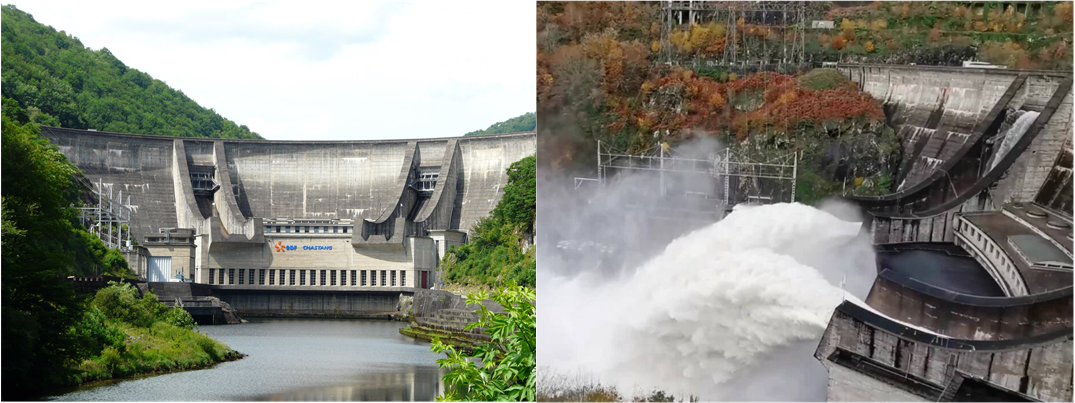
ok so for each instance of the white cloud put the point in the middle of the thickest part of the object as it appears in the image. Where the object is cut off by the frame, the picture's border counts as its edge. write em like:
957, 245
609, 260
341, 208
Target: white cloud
326, 71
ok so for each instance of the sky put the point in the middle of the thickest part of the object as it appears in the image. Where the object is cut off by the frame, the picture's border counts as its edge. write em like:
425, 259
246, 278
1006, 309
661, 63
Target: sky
324, 70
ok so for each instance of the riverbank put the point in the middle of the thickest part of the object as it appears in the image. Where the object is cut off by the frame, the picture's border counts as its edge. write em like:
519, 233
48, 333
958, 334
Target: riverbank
158, 349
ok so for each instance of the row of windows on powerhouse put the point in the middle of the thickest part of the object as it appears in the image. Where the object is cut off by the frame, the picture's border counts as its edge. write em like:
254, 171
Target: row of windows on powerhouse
306, 229
357, 277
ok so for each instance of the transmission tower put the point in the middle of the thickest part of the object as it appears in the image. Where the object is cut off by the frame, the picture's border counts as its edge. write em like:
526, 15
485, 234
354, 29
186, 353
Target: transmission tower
760, 35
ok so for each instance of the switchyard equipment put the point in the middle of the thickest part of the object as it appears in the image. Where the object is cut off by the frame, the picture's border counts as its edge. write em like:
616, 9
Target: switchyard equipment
748, 27
739, 178
104, 216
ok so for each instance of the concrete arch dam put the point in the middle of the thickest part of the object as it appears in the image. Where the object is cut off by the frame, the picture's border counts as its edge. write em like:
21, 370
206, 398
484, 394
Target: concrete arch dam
973, 140
301, 214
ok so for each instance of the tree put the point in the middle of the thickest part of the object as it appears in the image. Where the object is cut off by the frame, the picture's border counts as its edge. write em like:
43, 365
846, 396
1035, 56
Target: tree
519, 204
38, 309
507, 361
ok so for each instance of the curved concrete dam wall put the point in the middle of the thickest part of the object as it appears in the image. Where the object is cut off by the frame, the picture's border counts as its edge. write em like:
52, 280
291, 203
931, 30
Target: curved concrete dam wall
331, 180
940, 112
953, 124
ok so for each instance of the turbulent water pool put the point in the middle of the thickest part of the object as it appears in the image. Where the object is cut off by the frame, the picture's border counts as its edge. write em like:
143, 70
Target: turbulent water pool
296, 359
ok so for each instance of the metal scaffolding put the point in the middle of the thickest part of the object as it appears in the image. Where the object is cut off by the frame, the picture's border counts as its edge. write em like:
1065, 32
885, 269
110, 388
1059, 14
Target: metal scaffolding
749, 31
104, 216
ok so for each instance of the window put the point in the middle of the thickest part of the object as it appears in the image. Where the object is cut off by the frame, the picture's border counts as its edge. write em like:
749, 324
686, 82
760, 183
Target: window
261, 277
322, 277
344, 230
212, 280
272, 277
373, 278
403, 278
242, 275
306, 229
268, 229
291, 277
343, 277
333, 274
231, 276
363, 278
384, 280
335, 230
302, 277
317, 230
394, 278
220, 279
251, 276
278, 228
352, 277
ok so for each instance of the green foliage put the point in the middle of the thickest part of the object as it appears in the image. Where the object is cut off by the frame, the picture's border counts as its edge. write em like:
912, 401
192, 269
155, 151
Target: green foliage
93, 334
158, 348
121, 302
812, 188
178, 317
506, 369
519, 204
56, 81
494, 256
46, 328
93, 258
123, 335
38, 308
497, 252
523, 123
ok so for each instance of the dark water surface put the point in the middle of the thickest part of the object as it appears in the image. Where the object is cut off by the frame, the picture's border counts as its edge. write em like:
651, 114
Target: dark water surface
297, 359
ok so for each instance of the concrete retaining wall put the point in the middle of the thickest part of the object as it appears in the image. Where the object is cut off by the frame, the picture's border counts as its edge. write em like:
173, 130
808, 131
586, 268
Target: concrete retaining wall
1041, 369
353, 304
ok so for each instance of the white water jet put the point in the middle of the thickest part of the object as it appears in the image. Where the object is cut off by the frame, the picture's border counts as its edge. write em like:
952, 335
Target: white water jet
1013, 135
730, 311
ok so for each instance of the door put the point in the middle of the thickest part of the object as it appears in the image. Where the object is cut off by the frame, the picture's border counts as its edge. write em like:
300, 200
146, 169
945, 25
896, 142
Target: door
424, 279
160, 269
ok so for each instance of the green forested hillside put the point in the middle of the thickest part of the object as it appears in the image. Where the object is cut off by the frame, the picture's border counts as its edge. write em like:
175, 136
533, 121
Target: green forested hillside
60, 82
523, 123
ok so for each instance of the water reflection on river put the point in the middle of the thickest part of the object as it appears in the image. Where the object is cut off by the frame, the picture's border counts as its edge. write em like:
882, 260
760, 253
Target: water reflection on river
297, 359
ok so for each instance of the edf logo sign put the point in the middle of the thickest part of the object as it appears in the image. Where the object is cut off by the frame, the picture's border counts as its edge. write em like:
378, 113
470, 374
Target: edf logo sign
280, 247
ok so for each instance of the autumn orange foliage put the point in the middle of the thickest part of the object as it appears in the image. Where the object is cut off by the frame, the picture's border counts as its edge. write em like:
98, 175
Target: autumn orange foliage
681, 100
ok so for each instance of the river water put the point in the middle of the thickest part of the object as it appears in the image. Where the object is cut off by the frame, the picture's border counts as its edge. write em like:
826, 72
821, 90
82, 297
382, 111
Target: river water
296, 359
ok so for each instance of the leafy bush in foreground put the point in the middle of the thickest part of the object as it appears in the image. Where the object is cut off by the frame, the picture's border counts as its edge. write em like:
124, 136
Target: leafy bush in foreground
506, 372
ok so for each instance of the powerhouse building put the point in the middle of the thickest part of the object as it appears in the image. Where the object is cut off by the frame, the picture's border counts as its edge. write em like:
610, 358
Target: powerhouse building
259, 213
